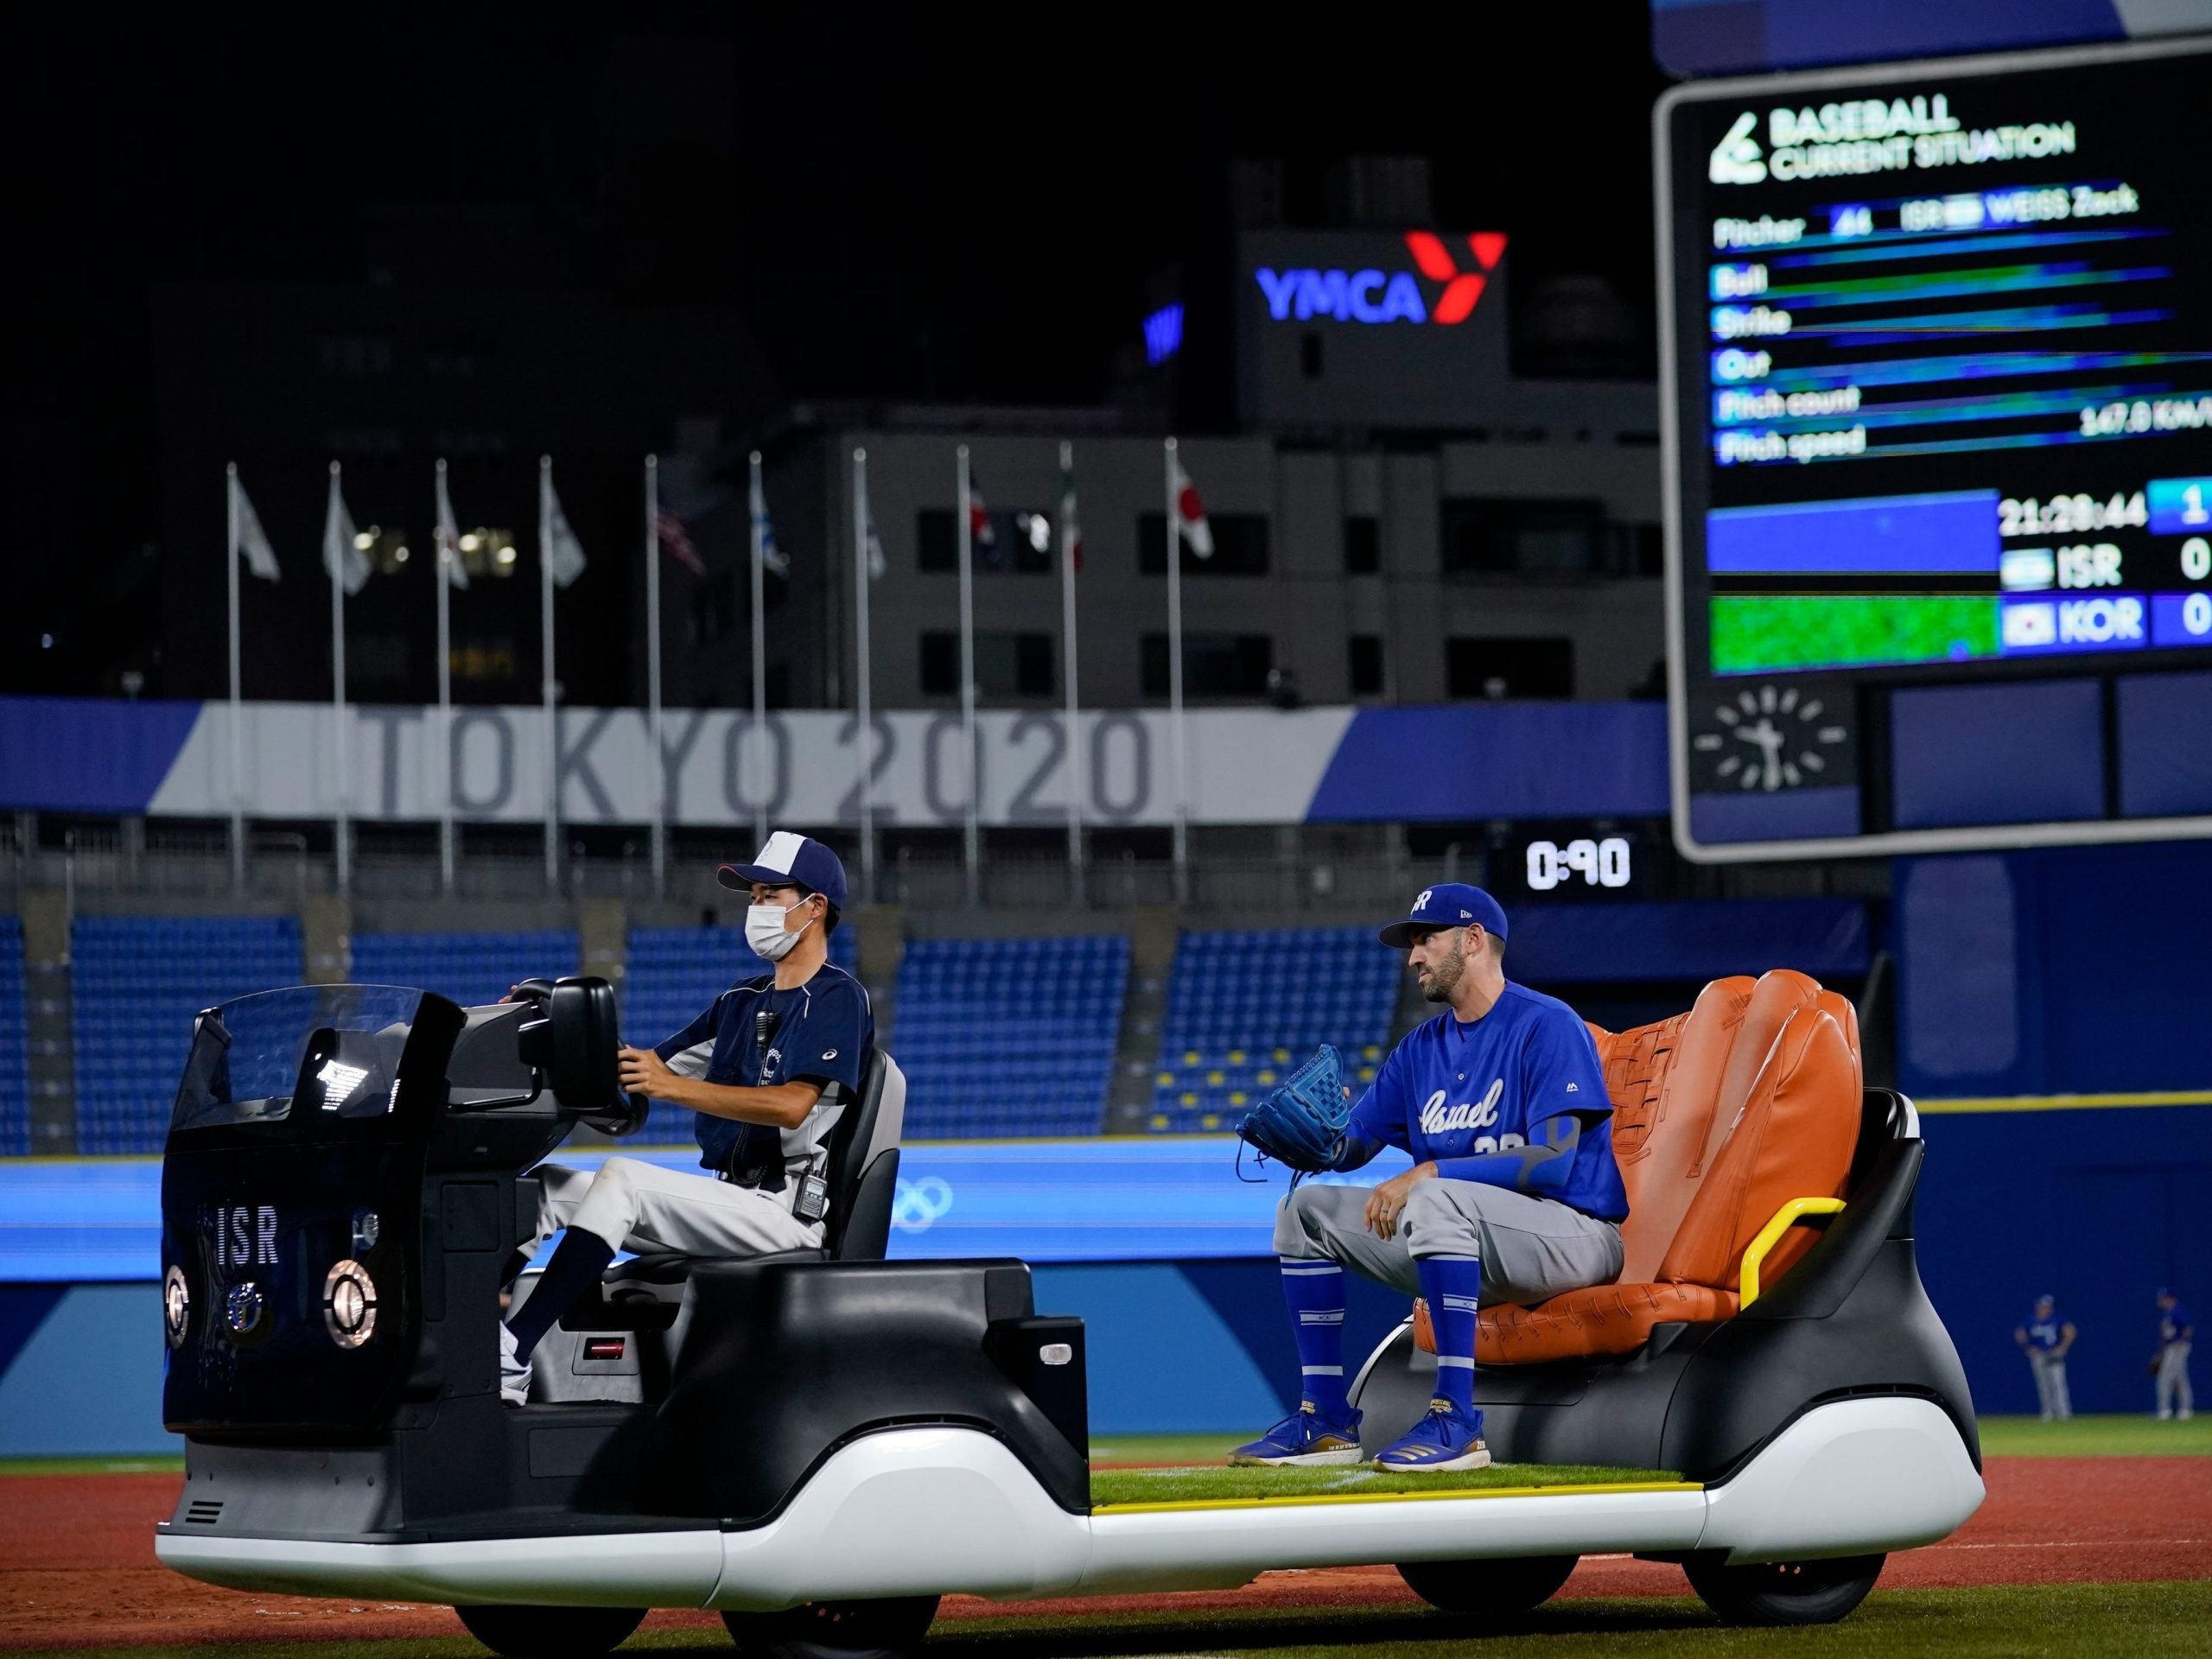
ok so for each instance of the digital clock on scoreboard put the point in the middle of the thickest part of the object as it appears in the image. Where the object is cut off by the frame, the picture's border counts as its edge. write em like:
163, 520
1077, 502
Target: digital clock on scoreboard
1939, 407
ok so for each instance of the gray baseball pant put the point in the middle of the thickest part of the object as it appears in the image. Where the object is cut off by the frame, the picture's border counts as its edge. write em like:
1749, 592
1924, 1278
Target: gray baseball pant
2051, 1396
1531, 1248
638, 1207
2174, 1392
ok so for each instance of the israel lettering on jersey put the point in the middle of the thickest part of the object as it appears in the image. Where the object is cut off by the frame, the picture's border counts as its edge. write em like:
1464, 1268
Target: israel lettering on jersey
1465, 1091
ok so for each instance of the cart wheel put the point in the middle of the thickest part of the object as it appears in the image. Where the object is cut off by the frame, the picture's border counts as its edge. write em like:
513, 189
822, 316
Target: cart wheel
891, 1628
1784, 1593
1492, 1591
551, 1632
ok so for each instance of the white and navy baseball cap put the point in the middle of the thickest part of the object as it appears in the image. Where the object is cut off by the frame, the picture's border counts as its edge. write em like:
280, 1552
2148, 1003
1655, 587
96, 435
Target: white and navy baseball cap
790, 860
1448, 904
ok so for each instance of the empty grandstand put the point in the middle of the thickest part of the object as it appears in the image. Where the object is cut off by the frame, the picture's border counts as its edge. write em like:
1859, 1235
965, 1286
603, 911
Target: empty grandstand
137, 981
1009, 1037
1245, 1006
472, 968
14, 1044
675, 973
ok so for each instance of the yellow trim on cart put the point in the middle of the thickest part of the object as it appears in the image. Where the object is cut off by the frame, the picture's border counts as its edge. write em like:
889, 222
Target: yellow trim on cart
1304, 1500
2064, 1102
1770, 1234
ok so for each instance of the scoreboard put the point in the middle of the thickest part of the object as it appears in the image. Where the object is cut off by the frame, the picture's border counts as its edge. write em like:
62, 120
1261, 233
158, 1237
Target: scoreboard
1938, 346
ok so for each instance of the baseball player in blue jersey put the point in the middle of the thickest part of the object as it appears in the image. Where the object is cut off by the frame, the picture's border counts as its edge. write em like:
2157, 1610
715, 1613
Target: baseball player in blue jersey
1514, 1195
769, 1068
2045, 1338
2176, 1330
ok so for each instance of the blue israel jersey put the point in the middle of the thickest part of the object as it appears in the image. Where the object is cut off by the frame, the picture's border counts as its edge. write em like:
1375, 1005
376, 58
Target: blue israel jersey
822, 1031
2173, 1321
1455, 1090
2043, 1333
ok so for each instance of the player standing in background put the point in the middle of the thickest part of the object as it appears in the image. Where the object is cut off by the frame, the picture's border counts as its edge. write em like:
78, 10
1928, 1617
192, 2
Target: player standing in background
2175, 1329
1514, 1195
2046, 1337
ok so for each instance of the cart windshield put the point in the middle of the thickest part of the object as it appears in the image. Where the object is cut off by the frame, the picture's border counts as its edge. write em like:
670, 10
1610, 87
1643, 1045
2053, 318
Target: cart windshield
247, 1054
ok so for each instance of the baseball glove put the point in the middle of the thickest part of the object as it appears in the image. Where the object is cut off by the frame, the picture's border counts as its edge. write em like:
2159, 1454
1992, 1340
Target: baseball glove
1301, 1123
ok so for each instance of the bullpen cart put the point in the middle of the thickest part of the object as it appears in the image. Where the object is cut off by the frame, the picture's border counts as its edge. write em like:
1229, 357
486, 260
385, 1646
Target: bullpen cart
822, 1444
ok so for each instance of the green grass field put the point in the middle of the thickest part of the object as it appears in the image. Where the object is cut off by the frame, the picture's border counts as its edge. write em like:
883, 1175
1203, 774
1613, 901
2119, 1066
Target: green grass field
1213, 1483
2069, 1621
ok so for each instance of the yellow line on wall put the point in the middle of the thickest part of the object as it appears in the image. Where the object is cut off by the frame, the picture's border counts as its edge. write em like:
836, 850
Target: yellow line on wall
2066, 1103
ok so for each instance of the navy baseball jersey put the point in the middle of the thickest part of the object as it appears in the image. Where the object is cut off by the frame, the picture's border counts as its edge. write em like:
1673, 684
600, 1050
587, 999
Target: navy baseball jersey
822, 1034
1455, 1090
2173, 1321
2043, 1333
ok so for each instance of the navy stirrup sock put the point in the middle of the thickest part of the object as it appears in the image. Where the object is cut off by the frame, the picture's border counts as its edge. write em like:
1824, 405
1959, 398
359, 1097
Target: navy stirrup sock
575, 1268
1315, 1292
1452, 1284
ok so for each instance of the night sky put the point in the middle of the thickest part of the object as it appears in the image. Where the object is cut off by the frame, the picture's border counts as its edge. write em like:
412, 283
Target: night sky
962, 207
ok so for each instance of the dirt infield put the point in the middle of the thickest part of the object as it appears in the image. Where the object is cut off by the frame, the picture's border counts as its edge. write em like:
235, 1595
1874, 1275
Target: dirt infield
76, 1566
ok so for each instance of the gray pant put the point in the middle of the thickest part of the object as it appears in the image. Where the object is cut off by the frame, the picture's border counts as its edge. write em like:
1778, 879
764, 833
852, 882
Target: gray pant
635, 1206
2174, 1393
1530, 1249
2050, 1384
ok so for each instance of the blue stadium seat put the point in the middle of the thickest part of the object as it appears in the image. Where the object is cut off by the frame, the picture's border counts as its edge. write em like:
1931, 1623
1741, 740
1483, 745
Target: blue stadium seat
15, 1044
470, 968
137, 981
1246, 1006
1011, 1037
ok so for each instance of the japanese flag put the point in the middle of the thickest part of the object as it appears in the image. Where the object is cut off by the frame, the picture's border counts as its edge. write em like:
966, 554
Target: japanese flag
1189, 512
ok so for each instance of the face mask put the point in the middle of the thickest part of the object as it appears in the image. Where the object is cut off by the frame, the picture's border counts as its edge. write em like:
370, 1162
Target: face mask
764, 931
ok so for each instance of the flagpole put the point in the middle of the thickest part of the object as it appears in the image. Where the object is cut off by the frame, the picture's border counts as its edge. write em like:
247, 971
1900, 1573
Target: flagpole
1075, 770
341, 826
446, 554
971, 833
659, 784
1173, 528
760, 745
238, 711
864, 732
549, 737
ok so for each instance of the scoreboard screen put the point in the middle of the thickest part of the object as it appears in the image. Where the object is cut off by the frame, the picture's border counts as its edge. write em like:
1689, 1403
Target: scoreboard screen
1940, 415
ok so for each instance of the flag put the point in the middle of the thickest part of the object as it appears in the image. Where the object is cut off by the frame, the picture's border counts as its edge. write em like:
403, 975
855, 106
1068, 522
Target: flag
253, 542
448, 537
342, 552
876, 562
771, 557
564, 553
1071, 525
677, 541
1189, 512
981, 535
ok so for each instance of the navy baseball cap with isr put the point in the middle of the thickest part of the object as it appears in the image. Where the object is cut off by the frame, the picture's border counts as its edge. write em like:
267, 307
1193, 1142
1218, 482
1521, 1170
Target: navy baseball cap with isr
1448, 904
792, 859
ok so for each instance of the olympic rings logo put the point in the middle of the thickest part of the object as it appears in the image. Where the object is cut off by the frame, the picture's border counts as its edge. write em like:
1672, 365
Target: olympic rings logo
919, 1204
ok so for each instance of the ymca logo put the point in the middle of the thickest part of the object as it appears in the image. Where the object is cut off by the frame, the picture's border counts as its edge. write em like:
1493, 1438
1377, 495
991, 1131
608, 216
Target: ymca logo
1437, 1118
1737, 159
1375, 296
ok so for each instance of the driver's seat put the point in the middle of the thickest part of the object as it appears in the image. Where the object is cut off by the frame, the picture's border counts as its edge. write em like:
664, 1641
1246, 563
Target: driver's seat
582, 1358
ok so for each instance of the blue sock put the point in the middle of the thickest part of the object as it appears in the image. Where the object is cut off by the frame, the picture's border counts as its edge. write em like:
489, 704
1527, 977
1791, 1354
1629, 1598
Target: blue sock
1315, 1292
1453, 1286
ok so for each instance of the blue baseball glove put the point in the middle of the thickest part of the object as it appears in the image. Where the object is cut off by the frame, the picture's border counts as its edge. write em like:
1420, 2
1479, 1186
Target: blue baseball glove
1302, 1122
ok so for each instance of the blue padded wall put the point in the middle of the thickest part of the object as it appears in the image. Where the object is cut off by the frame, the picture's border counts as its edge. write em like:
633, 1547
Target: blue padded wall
1009, 1037
1246, 1006
137, 982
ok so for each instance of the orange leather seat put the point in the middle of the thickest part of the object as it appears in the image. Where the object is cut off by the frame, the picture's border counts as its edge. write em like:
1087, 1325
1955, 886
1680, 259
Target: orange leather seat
1720, 1116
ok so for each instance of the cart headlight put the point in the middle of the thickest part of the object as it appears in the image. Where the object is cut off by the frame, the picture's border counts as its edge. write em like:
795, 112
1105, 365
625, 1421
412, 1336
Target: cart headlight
176, 1306
349, 1304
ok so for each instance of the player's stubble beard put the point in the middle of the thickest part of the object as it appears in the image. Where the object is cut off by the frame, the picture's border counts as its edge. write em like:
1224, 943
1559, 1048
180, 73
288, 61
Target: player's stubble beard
1443, 978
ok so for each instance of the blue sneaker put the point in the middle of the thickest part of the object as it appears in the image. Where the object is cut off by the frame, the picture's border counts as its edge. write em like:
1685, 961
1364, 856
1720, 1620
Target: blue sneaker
1446, 1438
1302, 1440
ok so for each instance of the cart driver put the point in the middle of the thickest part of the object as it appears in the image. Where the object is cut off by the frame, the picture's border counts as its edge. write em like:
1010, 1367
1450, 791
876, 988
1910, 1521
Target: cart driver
1514, 1195
769, 1068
